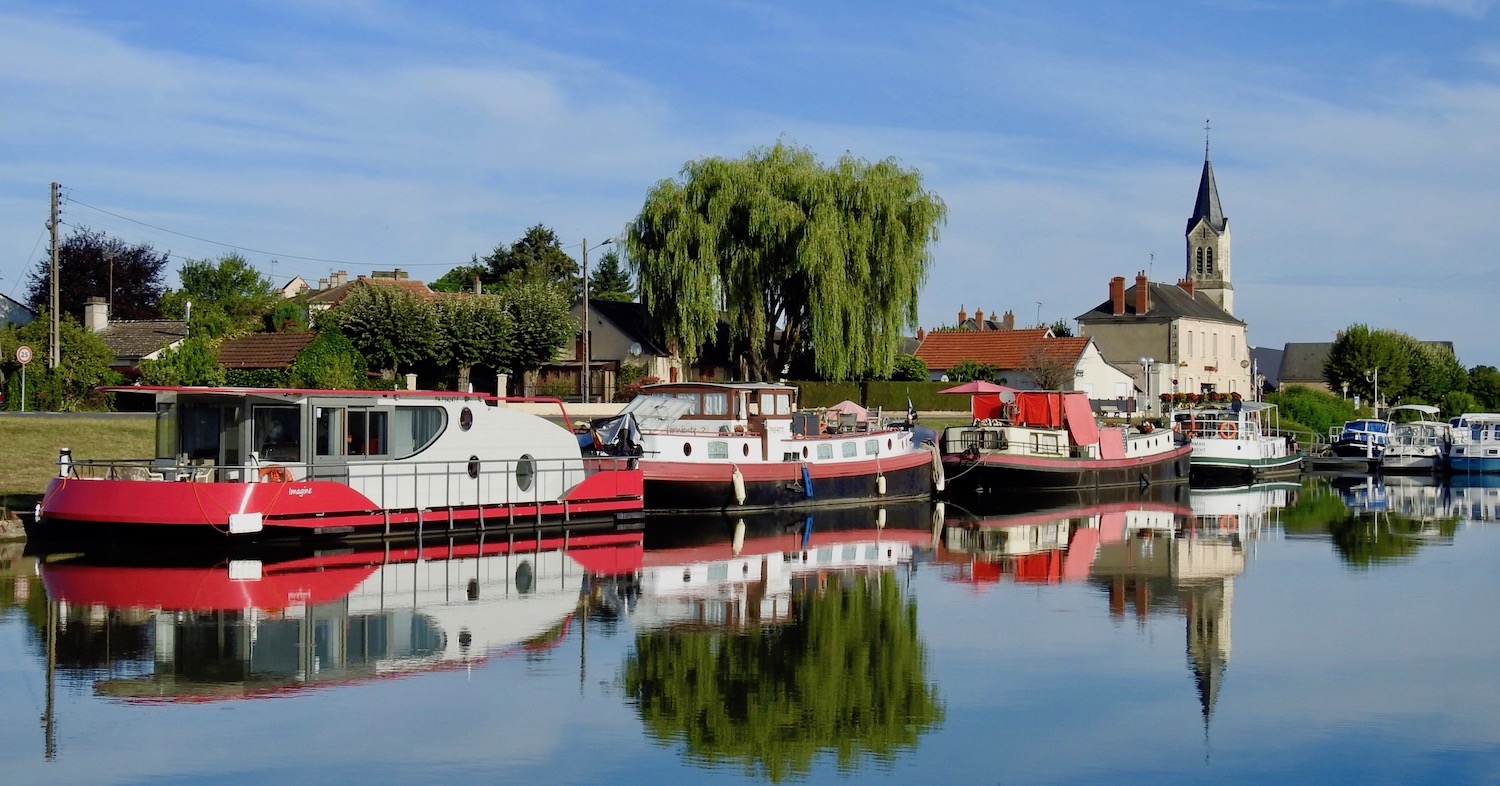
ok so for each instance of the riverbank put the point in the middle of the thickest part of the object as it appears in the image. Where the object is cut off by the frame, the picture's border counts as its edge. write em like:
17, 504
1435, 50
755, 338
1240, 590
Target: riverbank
32, 441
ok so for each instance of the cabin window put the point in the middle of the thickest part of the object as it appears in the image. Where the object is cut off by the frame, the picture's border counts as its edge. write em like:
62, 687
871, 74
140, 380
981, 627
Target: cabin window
783, 403
745, 448
166, 431
687, 448
278, 432
872, 446
825, 451
413, 429
329, 423
525, 471
369, 432
716, 403
465, 419
693, 401
718, 449
851, 450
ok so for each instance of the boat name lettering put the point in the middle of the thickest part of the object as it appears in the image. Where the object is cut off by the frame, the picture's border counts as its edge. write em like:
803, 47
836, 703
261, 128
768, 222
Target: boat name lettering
300, 492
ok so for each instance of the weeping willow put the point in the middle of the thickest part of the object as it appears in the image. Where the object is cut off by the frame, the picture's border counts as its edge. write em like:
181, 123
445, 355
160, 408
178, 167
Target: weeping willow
796, 257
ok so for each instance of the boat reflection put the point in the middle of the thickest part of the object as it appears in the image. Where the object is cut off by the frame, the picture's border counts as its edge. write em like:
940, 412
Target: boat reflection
766, 642
204, 629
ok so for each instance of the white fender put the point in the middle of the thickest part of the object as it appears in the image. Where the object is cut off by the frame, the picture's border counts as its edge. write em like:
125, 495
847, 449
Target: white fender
880, 485
880, 518
939, 480
739, 537
939, 510
739, 486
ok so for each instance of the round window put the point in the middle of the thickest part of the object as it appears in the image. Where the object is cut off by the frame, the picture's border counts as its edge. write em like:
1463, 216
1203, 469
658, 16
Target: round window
525, 471
889, 444
746, 448
525, 577
473, 466
465, 419
687, 448
804, 453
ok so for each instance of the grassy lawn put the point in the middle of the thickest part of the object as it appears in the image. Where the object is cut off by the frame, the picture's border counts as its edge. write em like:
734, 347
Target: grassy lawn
29, 446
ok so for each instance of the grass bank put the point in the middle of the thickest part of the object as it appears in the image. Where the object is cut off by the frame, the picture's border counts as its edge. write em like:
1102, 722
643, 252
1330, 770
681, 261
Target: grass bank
29, 444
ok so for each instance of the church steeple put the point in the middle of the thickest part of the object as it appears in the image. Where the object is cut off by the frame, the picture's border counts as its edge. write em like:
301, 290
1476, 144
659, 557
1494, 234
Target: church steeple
1208, 241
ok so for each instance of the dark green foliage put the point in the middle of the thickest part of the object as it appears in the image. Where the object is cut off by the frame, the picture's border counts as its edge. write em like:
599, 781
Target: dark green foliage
892, 396
257, 377
461, 278
540, 325
69, 387
1458, 402
288, 317
330, 362
609, 280
1484, 384
909, 368
389, 325
84, 263
1061, 329
826, 394
193, 362
230, 294
473, 330
1411, 371
1317, 410
536, 257
845, 676
969, 370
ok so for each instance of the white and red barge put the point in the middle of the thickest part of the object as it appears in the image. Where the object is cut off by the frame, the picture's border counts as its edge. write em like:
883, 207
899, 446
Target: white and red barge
733, 446
252, 464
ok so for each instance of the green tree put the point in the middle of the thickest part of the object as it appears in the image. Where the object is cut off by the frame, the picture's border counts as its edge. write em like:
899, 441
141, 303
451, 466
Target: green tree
88, 263
610, 280
1061, 329
1434, 370
462, 278
1459, 401
540, 326
970, 370
846, 675
794, 256
1358, 352
390, 326
909, 368
230, 286
85, 365
536, 256
1484, 383
473, 330
193, 362
329, 362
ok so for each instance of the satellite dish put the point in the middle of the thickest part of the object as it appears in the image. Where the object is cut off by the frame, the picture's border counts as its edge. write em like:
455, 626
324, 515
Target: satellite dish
635, 349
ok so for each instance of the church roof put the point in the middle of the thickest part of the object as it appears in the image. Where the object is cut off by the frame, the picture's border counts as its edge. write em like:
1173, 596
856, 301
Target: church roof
1207, 206
1166, 302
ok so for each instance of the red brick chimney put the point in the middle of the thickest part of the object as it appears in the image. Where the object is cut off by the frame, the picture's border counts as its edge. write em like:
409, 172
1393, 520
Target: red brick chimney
1187, 286
921, 334
1010, 320
963, 316
1117, 295
1142, 294
979, 317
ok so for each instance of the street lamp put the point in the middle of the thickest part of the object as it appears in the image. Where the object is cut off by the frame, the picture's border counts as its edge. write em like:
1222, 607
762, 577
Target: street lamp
1373, 375
586, 350
1146, 371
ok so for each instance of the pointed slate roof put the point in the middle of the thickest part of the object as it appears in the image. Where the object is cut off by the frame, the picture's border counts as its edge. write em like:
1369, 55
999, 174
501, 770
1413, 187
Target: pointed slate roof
1207, 206
1005, 349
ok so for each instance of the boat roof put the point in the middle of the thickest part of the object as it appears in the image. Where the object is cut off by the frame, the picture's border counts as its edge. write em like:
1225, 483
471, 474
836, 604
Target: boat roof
1426, 409
721, 386
1486, 417
294, 392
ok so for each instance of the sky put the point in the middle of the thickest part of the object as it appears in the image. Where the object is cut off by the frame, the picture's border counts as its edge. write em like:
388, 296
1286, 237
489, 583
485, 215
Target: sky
1356, 143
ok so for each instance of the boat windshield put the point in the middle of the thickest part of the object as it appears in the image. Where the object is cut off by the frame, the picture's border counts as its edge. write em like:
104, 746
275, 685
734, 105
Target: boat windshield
277, 432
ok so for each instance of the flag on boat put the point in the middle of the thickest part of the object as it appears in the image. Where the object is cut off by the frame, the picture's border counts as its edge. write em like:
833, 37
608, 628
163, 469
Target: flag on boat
911, 411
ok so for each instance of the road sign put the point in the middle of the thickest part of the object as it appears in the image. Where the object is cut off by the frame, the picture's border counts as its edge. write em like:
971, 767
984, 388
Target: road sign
23, 354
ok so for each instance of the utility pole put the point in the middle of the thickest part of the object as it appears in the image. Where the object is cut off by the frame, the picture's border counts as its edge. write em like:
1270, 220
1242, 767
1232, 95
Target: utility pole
586, 353
55, 345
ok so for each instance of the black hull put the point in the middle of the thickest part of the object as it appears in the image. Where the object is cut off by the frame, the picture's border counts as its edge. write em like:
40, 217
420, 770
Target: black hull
1232, 476
674, 496
992, 478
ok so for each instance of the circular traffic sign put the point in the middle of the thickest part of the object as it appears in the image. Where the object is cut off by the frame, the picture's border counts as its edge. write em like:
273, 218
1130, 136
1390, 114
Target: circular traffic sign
23, 354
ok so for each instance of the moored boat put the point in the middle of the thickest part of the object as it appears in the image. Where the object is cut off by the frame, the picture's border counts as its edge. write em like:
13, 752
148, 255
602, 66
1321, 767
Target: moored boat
256, 464
745, 445
1419, 445
1036, 439
1236, 442
1476, 443
1362, 438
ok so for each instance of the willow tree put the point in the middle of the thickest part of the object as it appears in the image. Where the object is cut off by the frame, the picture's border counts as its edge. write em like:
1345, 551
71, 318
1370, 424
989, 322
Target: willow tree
795, 256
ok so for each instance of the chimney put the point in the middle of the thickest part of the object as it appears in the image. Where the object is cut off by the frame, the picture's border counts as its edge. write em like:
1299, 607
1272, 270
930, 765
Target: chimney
478, 287
1187, 286
921, 334
322, 284
963, 316
1142, 294
1117, 295
339, 278
95, 314
1010, 320
979, 317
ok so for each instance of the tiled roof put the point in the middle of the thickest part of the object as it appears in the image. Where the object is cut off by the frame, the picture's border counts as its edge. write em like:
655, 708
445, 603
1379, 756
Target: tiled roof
1004, 349
133, 339
1166, 302
334, 295
263, 350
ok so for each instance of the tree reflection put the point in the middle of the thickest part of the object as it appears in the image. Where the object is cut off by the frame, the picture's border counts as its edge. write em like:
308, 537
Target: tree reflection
1365, 535
846, 673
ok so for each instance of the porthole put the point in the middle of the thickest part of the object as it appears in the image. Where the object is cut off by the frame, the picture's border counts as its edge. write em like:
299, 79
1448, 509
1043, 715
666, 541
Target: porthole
804, 451
889, 444
465, 419
525, 471
687, 448
525, 577
746, 448
473, 466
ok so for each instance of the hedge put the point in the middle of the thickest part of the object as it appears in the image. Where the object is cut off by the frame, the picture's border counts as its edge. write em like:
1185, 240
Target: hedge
890, 396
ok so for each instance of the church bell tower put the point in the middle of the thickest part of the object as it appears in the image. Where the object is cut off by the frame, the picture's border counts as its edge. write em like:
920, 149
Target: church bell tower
1208, 242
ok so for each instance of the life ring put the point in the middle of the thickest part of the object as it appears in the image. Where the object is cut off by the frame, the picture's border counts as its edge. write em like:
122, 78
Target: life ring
1228, 430
274, 474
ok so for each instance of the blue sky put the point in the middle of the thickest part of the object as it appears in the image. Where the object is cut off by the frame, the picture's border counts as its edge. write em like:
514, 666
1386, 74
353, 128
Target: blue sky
1355, 142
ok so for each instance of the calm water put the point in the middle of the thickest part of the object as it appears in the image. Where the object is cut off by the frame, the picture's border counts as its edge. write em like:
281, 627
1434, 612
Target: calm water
1314, 633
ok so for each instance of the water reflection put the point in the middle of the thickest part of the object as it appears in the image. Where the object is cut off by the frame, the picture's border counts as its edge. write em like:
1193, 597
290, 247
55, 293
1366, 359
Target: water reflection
766, 642
189, 630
